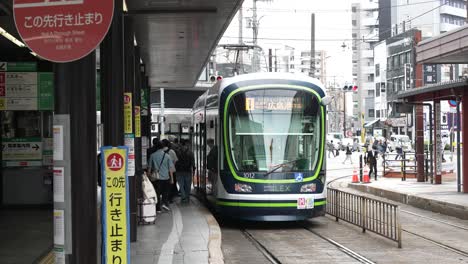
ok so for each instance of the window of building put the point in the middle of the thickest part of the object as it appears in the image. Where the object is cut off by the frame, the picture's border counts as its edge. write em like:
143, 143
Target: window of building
377, 70
377, 89
291, 58
396, 62
382, 87
353, 9
291, 66
389, 63
402, 59
354, 35
377, 114
370, 93
354, 23
371, 112
370, 77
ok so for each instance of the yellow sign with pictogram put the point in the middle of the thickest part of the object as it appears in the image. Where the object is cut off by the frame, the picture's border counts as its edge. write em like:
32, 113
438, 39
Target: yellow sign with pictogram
115, 207
128, 111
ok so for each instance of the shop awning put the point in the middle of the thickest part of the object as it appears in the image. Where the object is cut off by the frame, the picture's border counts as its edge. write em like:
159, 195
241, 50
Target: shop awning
371, 123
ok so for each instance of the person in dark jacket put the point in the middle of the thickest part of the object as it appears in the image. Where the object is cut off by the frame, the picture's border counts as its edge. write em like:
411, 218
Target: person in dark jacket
348, 154
185, 168
372, 162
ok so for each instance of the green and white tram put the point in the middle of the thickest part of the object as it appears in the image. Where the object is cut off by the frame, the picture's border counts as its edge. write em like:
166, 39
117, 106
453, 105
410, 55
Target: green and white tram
259, 142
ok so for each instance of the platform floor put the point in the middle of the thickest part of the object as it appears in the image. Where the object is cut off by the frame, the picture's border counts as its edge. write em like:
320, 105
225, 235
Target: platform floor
183, 235
25, 234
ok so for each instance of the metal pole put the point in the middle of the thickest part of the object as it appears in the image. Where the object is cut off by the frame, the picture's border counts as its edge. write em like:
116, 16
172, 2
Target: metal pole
312, 47
270, 60
344, 114
75, 105
129, 126
431, 150
161, 115
458, 148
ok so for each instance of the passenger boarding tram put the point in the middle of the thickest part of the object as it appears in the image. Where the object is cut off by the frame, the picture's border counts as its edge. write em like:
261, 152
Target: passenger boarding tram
259, 147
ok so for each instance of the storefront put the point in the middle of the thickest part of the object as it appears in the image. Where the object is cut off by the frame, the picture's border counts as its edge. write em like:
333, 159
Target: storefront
26, 104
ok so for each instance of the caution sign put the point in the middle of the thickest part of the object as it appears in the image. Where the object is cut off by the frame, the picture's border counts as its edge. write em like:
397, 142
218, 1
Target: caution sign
128, 111
115, 207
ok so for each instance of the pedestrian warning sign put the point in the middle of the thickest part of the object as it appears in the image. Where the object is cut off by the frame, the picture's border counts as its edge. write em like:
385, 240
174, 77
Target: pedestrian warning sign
115, 209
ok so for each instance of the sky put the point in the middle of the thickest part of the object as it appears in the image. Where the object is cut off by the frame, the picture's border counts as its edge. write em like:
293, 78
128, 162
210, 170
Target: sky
288, 22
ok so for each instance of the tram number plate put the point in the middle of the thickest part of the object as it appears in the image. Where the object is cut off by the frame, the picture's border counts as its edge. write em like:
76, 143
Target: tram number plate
305, 203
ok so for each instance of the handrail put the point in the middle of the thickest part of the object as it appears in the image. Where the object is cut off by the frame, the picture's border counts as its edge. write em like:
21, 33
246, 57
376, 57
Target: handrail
377, 216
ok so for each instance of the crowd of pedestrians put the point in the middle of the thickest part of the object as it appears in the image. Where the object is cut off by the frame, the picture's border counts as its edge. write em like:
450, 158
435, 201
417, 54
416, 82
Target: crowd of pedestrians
170, 169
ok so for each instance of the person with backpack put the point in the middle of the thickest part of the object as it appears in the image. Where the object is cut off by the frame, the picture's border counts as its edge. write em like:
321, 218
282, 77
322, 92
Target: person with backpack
185, 168
169, 149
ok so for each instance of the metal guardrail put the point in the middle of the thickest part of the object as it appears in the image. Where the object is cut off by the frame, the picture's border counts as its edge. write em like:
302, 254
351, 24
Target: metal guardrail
376, 216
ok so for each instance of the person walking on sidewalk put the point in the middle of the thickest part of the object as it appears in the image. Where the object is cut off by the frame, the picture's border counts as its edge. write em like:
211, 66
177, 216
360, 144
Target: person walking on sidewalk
185, 168
168, 148
372, 161
348, 154
331, 149
161, 162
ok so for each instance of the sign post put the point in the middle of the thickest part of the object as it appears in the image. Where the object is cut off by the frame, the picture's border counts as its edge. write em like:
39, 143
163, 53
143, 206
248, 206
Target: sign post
115, 206
63, 30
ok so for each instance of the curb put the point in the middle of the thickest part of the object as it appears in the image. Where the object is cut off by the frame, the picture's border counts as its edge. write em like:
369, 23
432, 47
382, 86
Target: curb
215, 254
436, 206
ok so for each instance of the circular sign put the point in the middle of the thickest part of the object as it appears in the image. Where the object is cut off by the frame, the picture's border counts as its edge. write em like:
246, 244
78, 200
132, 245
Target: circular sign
63, 30
452, 103
349, 133
115, 162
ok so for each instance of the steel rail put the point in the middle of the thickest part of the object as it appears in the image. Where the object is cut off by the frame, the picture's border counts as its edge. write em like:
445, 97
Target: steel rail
270, 256
435, 220
342, 248
450, 248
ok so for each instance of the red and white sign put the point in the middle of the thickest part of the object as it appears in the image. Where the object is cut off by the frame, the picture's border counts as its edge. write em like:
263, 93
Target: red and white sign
115, 162
349, 133
63, 30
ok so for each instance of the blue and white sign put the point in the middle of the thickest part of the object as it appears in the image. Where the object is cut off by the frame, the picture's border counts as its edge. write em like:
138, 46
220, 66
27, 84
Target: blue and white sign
452, 103
299, 176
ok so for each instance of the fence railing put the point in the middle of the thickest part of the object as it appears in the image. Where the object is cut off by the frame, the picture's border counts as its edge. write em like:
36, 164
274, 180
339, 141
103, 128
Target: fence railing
405, 163
376, 216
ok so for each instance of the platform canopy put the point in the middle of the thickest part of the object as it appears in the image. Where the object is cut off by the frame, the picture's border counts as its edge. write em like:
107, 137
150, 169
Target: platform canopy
177, 37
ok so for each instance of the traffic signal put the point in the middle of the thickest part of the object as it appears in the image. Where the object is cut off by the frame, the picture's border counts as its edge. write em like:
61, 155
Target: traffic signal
350, 87
214, 78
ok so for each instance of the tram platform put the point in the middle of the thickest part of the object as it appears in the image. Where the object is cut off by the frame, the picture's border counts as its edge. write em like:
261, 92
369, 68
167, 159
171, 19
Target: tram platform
187, 234
440, 198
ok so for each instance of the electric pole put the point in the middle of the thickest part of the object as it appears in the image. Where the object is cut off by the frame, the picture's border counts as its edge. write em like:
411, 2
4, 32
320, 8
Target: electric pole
255, 34
312, 46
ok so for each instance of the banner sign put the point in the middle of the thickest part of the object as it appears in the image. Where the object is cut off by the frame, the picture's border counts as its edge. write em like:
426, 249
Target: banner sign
128, 111
115, 206
137, 122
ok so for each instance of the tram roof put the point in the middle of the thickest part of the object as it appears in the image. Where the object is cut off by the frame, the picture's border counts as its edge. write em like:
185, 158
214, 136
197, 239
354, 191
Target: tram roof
272, 76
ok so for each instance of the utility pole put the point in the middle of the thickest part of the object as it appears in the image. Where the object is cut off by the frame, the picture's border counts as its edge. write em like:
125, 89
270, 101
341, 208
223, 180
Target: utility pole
312, 46
344, 113
270, 60
241, 40
255, 34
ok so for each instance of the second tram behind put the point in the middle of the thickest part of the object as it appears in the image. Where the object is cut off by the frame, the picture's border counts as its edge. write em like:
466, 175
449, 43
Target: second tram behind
259, 144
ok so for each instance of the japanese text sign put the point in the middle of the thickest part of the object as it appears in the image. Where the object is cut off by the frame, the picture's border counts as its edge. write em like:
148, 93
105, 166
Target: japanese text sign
63, 30
115, 207
128, 118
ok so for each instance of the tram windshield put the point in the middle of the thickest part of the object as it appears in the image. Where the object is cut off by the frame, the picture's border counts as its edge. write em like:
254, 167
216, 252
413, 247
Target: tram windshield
274, 130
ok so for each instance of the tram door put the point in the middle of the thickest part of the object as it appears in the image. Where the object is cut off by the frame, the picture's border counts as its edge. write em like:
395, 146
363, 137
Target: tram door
200, 142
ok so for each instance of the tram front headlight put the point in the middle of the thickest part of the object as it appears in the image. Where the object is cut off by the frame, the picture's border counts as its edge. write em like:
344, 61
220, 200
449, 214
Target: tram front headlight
241, 187
311, 187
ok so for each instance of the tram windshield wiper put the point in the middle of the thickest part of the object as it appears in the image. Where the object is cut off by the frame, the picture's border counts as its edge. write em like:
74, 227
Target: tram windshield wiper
282, 165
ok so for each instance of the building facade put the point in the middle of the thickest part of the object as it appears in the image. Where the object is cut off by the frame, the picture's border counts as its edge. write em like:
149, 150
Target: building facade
365, 34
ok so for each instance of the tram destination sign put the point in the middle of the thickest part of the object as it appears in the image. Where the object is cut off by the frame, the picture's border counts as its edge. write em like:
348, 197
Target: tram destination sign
63, 30
273, 103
